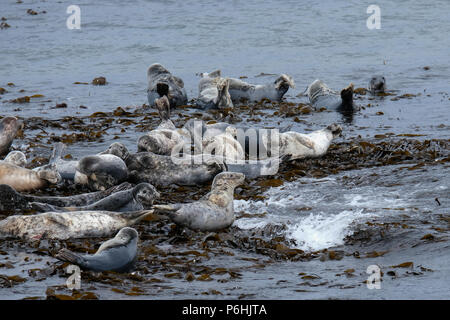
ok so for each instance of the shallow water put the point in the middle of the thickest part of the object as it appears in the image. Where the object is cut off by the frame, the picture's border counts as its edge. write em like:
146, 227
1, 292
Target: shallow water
394, 206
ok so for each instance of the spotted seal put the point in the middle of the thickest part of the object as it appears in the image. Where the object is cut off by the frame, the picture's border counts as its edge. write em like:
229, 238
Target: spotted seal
138, 198
212, 212
377, 84
224, 145
117, 254
321, 96
68, 225
9, 128
213, 92
273, 91
17, 158
162, 83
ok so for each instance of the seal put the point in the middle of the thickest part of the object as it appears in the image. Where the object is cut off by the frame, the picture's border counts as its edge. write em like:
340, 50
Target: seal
198, 130
117, 254
224, 145
377, 84
10, 199
101, 172
294, 145
213, 92
17, 158
138, 198
162, 83
23, 179
273, 91
321, 96
166, 135
211, 213
9, 127
68, 225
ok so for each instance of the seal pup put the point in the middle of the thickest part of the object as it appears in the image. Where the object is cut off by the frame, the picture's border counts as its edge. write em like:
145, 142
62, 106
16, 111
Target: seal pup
9, 127
162, 83
224, 145
273, 91
10, 199
377, 84
68, 225
117, 254
213, 92
138, 198
212, 212
321, 96
295, 145
166, 135
22, 179
17, 158
101, 172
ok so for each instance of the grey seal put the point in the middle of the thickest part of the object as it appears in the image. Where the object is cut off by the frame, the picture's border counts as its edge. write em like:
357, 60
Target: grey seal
162, 83
377, 84
17, 158
213, 92
10, 199
321, 96
138, 198
117, 254
22, 179
9, 127
211, 213
224, 145
166, 135
68, 225
273, 91
101, 172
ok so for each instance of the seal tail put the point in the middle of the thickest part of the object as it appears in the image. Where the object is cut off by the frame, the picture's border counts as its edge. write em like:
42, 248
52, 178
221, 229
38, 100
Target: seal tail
163, 106
347, 96
222, 87
71, 257
45, 207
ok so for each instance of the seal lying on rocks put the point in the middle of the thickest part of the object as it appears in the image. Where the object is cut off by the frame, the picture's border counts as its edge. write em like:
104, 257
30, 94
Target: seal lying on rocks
162, 83
321, 96
211, 213
117, 254
213, 92
224, 145
17, 158
22, 179
10, 199
377, 84
138, 198
9, 127
273, 91
68, 225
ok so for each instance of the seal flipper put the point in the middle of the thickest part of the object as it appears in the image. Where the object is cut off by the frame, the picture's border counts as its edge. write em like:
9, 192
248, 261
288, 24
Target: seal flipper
223, 96
163, 106
347, 97
167, 209
45, 207
71, 257
305, 141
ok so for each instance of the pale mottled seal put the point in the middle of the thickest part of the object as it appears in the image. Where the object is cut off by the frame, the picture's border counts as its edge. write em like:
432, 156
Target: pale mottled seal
273, 91
213, 212
23, 179
321, 96
68, 225
224, 145
295, 145
9, 127
10, 199
100, 172
377, 84
162, 83
138, 198
165, 136
117, 254
213, 92
17, 158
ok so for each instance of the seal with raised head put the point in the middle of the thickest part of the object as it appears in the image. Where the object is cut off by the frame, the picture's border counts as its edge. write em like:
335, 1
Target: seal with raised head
138, 198
17, 158
320, 96
101, 172
9, 127
377, 84
162, 83
68, 225
295, 145
213, 92
273, 91
212, 212
166, 135
10, 199
117, 254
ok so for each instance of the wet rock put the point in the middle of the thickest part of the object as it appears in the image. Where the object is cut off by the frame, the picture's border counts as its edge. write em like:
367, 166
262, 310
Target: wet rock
100, 81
